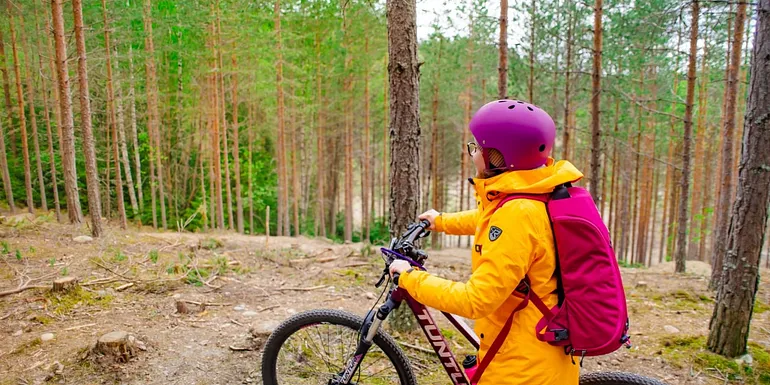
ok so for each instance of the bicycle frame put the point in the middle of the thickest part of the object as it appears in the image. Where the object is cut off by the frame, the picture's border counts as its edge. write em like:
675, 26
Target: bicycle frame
433, 333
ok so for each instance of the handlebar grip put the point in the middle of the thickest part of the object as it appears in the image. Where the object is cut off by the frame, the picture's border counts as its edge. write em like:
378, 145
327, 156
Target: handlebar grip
425, 224
395, 278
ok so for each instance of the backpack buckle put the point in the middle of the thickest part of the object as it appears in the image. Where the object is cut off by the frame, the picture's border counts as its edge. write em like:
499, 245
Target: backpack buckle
560, 334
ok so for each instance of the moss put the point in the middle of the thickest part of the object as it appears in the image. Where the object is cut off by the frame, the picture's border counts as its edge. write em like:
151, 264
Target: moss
63, 303
24, 347
760, 307
691, 350
43, 320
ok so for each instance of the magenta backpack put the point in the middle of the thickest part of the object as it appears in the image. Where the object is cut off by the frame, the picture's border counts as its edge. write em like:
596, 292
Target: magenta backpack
591, 317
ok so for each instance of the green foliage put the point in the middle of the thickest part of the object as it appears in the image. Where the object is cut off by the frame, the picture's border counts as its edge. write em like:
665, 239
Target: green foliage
5, 247
118, 256
77, 297
760, 307
52, 261
626, 264
153, 256
19, 257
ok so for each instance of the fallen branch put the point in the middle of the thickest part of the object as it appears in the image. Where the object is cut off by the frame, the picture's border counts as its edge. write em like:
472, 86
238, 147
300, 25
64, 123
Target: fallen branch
124, 287
269, 308
415, 347
79, 327
240, 348
203, 303
301, 288
356, 264
21, 288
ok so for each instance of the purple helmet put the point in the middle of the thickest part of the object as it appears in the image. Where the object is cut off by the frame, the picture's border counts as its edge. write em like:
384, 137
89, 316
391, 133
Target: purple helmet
522, 132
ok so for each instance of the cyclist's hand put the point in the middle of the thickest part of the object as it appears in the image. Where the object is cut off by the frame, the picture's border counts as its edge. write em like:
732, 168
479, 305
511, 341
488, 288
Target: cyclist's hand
399, 266
430, 216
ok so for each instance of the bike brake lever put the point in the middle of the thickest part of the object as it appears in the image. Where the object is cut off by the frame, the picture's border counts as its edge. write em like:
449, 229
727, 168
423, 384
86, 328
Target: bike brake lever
381, 280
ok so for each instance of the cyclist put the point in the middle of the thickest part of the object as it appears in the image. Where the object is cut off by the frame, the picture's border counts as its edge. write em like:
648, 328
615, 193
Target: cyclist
513, 141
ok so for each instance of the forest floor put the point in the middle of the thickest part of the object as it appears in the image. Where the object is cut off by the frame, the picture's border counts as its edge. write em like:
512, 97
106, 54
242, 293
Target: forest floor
252, 284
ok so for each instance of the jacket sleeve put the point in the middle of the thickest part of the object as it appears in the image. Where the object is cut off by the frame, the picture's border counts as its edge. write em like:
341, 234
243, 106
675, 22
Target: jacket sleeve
503, 263
460, 223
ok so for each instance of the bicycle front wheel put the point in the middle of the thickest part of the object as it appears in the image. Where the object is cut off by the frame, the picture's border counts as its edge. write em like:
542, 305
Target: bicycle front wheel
311, 348
617, 378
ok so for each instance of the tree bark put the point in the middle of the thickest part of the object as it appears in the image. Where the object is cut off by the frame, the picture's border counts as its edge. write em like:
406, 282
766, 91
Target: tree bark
22, 116
366, 194
46, 111
681, 249
280, 152
434, 147
153, 117
502, 66
700, 166
134, 132
565, 154
532, 47
31, 91
348, 95
8, 105
404, 75
320, 156
729, 327
236, 149
67, 125
92, 173
596, 133
223, 110
725, 191
123, 146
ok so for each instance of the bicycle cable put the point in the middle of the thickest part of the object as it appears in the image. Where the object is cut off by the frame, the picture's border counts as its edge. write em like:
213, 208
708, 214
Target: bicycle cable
385, 288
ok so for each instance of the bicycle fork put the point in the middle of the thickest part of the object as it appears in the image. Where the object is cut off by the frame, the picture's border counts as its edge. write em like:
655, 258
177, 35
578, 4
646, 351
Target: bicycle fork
369, 330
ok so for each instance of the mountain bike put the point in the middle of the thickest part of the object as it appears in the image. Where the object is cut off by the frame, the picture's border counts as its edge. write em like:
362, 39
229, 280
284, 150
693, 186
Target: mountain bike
334, 347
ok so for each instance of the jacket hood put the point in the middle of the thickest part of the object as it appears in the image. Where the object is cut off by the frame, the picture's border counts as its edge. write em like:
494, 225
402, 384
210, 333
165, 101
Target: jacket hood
538, 181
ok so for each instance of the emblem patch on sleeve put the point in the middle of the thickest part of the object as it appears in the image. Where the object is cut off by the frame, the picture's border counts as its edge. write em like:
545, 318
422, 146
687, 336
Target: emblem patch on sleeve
494, 233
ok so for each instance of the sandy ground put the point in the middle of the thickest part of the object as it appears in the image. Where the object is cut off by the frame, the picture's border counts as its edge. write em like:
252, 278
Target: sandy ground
251, 284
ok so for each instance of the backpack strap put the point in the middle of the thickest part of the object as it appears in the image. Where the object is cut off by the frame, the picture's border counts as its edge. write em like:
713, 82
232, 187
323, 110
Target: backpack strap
524, 290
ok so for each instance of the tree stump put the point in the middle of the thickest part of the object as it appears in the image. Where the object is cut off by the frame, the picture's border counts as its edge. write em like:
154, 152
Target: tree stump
65, 284
117, 345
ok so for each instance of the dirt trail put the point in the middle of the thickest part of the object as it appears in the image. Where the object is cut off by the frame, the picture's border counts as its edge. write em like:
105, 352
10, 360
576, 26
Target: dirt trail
257, 285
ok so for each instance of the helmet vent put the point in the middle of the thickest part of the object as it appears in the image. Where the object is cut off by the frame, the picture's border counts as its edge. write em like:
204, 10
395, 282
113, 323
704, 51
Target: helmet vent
502, 101
512, 106
530, 108
542, 147
520, 102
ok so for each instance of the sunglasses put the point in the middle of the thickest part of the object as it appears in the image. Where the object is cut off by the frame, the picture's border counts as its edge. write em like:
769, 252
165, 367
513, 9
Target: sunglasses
472, 148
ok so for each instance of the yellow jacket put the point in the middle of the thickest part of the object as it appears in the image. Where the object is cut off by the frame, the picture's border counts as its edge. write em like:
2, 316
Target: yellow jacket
521, 243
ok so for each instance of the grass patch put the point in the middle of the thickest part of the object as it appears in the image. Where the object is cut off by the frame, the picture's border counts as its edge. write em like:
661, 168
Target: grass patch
24, 347
64, 303
153, 256
691, 350
627, 265
210, 244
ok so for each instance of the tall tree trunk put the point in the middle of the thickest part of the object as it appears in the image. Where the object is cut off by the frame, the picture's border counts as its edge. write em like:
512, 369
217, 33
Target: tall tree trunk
681, 249
112, 120
216, 142
596, 133
741, 100
404, 75
348, 95
294, 170
502, 63
700, 166
281, 149
31, 91
385, 140
22, 116
4, 169
464, 188
365, 193
153, 118
8, 107
707, 200
236, 149
565, 152
729, 326
725, 191
124, 147
320, 155
67, 136
47, 115
250, 129
134, 133
92, 174
434, 147
532, 47
223, 110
